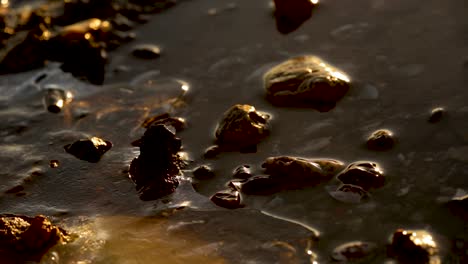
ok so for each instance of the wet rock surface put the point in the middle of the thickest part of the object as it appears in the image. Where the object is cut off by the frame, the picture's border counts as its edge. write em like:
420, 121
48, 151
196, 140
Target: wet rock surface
90, 150
154, 171
24, 238
305, 81
354, 252
381, 140
146, 51
364, 174
414, 246
228, 199
241, 127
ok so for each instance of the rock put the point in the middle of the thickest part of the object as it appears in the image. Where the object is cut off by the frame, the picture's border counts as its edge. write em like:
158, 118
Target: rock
355, 252
54, 164
229, 199
154, 171
290, 14
241, 127
305, 81
242, 172
55, 98
261, 185
176, 122
349, 193
211, 152
203, 172
436, 115
146, 51
459, 206
296, 172
381, 140
364, 174
90, 150
26, 238
413, 246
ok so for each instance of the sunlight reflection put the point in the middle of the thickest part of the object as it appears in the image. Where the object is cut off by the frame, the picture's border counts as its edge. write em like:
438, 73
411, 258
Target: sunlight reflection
4, 3
314, 1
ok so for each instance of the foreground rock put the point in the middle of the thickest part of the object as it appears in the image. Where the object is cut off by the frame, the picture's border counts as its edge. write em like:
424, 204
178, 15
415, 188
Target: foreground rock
364, 174
305, 81
146, 51
24, 238
414, 246
90, 150
154, 171
459, 206
242, 127
228, 199
290, 173
381, 140
290, 14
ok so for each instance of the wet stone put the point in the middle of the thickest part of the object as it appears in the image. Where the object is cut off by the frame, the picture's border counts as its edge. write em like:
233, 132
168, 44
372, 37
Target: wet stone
364, 174
380, 140
90, 150
349, 193
26, 238
146, 51
154, 171
242, 172
290, 14
305, 81
261, 185
413, 246
242, 126
436, 115
211, 152
229, 199
459, 206
55, 98
355, 252
203, 172
164, 119
297, 173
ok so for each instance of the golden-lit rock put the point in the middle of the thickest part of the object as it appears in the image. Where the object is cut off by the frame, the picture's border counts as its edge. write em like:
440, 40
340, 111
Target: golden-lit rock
364, 174
414, 246
90, 150
382, 139
305, 81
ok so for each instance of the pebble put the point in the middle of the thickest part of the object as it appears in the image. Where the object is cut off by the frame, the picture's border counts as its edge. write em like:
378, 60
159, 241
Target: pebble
90, 150
381, 140
146, 51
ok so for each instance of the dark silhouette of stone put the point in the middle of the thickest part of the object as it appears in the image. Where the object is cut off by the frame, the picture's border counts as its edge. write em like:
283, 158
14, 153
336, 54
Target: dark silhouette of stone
355, 252
380, 140
242, 172
364, 174
413, 246
146, 51
349, 193
290, 14
229, 199
90, 150
203, 172
436, 115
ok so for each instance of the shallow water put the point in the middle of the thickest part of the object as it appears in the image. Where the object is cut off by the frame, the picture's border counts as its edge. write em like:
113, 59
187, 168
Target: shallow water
404, 58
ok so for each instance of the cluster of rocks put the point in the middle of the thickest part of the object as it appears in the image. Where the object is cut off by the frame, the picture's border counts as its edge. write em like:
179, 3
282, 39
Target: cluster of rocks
77, 33
24, 238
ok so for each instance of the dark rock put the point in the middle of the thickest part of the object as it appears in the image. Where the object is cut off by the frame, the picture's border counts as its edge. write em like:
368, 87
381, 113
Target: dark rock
290, 14
154, 171
16, 189
436, 115
459, 206
261, 185
236, 184
413, 246
27, 239
122, 23
211, 152
54, 164
364, 174
305, 81
90, 150
349, 193
203, 172
242, 126
228, 199
381, 140
164, 119
146, 51
355, 252
242, 172
296, 172
55, 98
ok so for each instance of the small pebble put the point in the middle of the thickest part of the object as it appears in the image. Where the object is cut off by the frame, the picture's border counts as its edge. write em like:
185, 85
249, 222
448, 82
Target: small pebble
212, 152
203, 172
436, 115
228, 199
90, 150
146, 51
382, 139
242, 172
54, 164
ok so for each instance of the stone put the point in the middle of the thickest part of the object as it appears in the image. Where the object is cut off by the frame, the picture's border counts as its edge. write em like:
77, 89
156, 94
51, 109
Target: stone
305, 81
436, 115
229, 199
355, 252
90, 150
211, 152
459, 206
242, 172
155, 170
381, 140
364, 174
414, 246
203, 172
176, 122
242, 126
55, 98
28, 238
261, 185
297, 172
349, 193
146, 51
290, 14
